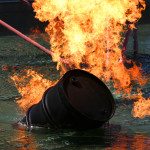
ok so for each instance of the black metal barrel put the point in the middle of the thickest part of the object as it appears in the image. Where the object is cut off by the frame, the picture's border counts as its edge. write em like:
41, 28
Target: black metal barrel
78, 101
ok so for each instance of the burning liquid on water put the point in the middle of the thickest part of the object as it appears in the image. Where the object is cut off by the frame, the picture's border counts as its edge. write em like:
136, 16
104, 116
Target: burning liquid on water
89, 35
33, 90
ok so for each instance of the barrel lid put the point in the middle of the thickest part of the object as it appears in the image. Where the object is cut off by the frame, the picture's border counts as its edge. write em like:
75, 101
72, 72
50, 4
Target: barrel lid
88, 95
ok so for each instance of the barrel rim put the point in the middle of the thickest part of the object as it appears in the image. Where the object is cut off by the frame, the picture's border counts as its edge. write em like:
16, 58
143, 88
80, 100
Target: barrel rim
66, 101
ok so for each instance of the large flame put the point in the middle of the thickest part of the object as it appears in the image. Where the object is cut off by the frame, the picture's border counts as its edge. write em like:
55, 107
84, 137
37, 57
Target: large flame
89, 35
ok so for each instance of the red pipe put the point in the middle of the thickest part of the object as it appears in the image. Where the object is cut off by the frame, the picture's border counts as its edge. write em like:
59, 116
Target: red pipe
47, 51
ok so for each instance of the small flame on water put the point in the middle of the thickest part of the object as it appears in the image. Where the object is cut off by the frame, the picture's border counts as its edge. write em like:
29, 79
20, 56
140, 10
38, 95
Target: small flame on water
33, 90
89, 35
141, 107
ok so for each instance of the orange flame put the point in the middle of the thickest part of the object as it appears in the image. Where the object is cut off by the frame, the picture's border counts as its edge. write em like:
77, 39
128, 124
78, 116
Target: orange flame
32, 90
89, 35
141, 106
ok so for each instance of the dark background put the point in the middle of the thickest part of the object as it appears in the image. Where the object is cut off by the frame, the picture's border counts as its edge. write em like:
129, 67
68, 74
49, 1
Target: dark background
18, 14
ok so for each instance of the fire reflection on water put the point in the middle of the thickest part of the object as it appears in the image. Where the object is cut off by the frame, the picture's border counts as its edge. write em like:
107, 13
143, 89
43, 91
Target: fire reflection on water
119, 141
23, 141
135, 142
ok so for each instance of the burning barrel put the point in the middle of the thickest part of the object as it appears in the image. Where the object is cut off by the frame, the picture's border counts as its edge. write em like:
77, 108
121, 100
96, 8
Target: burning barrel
78, 101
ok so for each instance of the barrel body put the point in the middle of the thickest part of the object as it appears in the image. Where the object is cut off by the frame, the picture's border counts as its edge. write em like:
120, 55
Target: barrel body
78, 101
